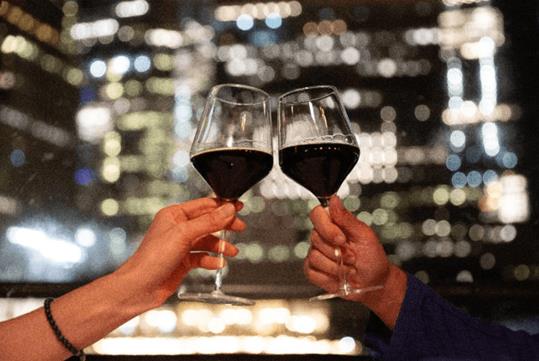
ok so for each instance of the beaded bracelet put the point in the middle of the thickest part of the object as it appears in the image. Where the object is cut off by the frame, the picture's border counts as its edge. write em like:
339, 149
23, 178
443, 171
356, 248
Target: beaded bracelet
68, 345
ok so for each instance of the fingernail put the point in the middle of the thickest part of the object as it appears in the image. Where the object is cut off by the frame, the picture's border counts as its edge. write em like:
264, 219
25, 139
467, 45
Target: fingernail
238, 205
340, 239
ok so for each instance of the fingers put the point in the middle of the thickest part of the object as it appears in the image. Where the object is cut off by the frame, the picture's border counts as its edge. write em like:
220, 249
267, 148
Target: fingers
320, 262
207, 223
190, 209
320, 279
195, 208
237, 225
325, 227
213, 244
204, 260
325, 248
350, 225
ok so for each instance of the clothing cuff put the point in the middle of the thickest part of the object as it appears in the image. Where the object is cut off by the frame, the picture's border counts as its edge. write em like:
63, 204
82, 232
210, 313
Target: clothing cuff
405, 330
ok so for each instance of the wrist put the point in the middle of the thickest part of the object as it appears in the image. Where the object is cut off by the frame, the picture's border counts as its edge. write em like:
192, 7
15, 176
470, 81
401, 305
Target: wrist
132, 293
386, 302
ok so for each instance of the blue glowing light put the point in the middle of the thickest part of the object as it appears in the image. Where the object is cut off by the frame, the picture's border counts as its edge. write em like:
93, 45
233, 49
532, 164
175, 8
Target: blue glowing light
142, 63
17, 158
180, 174
183, 130
489, 176
458, 180
457, 139
262, 38
84, 176
87, 94
274, 21
509, 160
453, 162
245, 22
98, 68
474, 179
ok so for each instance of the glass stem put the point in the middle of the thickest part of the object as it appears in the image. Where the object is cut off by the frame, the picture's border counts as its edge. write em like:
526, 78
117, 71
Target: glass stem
344, 287
220, 255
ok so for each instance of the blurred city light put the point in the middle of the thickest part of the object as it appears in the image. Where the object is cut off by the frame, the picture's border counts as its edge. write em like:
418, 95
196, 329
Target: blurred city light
163, 37
274, 21
244, 22
276, 345
53, 249
98, 68
489, 131
126, 9
9, 205
514, 204
93, 122
439, 175
119, 64
142, 63
94, 29
85, 237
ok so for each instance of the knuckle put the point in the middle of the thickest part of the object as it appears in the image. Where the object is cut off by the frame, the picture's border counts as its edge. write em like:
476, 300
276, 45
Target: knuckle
315, 256
163, 212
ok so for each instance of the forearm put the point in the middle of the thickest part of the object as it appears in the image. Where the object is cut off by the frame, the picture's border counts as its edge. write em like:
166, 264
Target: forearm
84, 316
386, 303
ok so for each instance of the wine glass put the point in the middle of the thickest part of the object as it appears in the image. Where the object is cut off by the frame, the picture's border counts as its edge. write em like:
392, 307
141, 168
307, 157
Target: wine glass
317, 149
232, 151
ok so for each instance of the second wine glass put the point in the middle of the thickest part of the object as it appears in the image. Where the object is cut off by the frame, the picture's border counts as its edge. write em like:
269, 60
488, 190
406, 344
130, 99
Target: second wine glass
232, 151
317, 149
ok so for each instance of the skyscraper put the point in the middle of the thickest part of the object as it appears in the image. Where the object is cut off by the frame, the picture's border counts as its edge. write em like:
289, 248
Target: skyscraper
427, 87
38, 92
134, 122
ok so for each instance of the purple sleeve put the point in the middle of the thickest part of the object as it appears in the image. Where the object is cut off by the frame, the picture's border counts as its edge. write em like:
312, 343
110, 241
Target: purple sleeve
430, 328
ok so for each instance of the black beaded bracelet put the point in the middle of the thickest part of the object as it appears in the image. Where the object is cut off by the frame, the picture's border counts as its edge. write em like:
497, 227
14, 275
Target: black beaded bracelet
68, 345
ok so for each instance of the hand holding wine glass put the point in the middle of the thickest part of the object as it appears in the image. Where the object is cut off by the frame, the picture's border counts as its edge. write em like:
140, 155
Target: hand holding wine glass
232, 151
364, 258
317, 149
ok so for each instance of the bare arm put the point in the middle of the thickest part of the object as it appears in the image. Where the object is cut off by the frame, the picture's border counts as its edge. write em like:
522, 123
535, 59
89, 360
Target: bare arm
145, 281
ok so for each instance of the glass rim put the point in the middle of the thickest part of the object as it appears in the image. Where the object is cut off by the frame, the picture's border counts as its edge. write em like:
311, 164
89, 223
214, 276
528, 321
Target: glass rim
208, 147
216, 88
332, 90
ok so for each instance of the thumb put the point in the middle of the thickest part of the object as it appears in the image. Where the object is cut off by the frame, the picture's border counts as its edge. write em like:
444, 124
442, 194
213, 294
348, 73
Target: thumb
350, 225
210, 222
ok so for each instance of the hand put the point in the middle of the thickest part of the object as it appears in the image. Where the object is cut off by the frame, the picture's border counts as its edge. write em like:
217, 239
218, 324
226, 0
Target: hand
144, 281
179, 240
364, 257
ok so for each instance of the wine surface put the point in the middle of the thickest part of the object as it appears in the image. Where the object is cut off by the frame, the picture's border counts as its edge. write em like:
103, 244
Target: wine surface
319, 167
230, 172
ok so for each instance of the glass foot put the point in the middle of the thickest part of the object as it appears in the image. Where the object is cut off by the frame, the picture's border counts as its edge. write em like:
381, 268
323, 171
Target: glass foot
344, 292
216, 298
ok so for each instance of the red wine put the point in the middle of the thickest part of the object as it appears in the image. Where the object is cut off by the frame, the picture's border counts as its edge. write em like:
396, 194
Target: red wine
230, 172
319, 167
